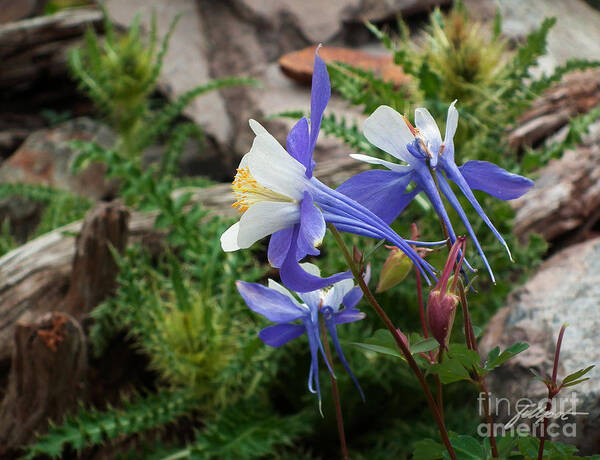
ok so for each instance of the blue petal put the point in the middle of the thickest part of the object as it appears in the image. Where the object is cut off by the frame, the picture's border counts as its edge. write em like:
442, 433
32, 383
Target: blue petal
298, 143
269, 303
451, 197
352, 298
319, 97
294, 277
280, 334
380, 191
338, 348
279, 245
313, 375
495, 181
454, 175
348, 315
312, 228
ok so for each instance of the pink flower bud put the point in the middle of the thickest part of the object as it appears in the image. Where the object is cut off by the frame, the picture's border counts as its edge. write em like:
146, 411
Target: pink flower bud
442, 302
441, 309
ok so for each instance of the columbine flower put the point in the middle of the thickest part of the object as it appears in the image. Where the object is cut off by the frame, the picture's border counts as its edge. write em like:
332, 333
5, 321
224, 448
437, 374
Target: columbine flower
294, 318
424, 153
279, 196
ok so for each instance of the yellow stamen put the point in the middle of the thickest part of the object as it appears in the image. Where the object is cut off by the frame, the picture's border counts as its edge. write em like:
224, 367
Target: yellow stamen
247, 191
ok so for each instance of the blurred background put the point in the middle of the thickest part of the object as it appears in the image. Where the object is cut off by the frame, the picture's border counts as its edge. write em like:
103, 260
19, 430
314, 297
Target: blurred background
121, 126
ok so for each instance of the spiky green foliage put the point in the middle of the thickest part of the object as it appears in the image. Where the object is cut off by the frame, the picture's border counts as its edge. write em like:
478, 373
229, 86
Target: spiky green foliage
60, 207
241, 432
91, 426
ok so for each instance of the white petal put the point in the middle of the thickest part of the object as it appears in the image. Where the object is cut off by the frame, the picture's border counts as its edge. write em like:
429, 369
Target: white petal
428, 127
377, 161
451, 123
274, 168
281, 289
386, 129
312, 299
265, 218
311, 268
257, 127
335, 295
230, 237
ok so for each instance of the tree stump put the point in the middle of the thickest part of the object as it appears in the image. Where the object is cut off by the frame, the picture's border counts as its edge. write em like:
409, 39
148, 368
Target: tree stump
49, 362
94, 270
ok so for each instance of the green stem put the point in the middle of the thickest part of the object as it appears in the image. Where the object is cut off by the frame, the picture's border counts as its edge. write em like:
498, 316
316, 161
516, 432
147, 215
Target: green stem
395, 333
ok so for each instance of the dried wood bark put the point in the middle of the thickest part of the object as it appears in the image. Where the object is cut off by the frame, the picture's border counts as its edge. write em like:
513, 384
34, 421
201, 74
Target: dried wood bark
577, 93
49, 362
34, 49
94, 268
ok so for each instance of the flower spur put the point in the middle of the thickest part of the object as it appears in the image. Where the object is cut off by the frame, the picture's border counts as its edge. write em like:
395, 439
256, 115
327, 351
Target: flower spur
425, 154
278, 195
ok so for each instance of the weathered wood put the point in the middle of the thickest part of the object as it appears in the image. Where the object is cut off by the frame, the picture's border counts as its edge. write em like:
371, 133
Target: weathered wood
565, 202
49, 361
577, 93
36, 48
94, 268
36, 277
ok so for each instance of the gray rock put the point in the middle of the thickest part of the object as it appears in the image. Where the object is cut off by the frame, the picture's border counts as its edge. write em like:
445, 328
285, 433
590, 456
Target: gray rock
245, 37
565, 289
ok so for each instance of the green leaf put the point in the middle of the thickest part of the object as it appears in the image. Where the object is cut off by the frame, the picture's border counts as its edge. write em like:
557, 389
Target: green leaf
428, 449
575, 376
424, 345
466, 448
495, 358
381, 342
449, 371
429, 82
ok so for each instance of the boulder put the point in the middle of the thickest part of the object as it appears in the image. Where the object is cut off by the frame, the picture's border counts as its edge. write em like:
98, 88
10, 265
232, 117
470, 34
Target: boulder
45, 159
566, 288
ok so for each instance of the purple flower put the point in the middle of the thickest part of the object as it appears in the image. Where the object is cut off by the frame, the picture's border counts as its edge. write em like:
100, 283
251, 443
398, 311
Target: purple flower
294, 318
279, 196
425, 153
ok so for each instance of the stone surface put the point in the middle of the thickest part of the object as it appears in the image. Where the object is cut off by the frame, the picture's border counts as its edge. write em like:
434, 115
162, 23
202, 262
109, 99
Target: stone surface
45, 159
245, 38
565, 202
298, 65
565, 289
11, 10
575, 35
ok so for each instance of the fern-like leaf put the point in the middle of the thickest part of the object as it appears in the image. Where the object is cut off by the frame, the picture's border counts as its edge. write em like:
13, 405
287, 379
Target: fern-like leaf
90, 426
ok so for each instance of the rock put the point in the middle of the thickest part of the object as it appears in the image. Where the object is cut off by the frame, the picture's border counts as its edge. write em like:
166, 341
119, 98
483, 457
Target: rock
11, 11
565, 202
244, 37
576, 33
299, 64
45, 159
566, 288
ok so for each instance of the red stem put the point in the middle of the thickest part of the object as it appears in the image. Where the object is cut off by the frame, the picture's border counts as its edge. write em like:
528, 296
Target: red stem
398, 339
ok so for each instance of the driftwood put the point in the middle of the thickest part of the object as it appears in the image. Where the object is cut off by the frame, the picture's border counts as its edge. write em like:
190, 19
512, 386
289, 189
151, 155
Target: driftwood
34, 49
38, 277
576, 93
565, 202
48, 366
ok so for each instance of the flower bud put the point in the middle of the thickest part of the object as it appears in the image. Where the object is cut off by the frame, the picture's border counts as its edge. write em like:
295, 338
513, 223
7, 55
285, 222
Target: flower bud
441, 309
442, 302
396, 267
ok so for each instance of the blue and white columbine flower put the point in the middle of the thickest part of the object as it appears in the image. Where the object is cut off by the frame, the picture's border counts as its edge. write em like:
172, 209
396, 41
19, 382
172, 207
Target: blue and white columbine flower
424, 153
294, 318
279, 196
